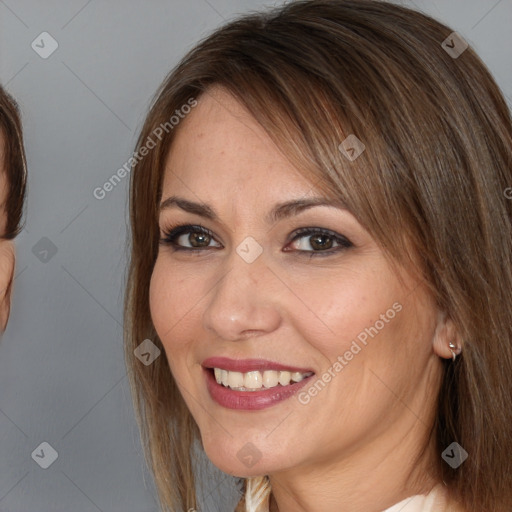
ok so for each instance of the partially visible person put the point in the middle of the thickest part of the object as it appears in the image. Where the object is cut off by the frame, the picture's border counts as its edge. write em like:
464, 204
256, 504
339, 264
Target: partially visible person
13, 175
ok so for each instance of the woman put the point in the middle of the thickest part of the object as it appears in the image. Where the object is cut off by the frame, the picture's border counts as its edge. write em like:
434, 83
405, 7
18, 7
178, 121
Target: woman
321, 248
12, 195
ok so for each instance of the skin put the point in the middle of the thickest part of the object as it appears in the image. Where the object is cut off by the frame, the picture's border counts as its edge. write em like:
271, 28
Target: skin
7, 252
355, 442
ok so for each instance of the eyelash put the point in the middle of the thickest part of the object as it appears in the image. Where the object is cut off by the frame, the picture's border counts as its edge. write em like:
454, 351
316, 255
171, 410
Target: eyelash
172, 233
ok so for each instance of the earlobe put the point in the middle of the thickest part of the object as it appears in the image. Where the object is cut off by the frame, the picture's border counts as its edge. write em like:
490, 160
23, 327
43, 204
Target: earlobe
446, 340
7, 264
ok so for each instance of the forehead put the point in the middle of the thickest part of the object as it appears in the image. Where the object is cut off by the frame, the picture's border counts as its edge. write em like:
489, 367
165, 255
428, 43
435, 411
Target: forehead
221, 142
218, 125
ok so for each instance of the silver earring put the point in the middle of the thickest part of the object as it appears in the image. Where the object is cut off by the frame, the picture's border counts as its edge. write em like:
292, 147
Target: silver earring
454, 349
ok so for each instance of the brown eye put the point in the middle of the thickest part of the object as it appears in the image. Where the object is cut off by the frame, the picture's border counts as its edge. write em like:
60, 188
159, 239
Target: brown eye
197, 239
318, 240
321, 242
189, 238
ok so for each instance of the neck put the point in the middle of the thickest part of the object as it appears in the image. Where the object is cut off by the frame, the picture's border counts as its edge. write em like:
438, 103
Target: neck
371, 478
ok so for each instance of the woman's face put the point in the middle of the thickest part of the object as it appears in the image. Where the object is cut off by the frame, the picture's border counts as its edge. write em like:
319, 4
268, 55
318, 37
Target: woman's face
6, 246
259, 297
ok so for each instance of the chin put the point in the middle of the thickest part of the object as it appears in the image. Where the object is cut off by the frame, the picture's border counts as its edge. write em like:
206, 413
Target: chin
245, 462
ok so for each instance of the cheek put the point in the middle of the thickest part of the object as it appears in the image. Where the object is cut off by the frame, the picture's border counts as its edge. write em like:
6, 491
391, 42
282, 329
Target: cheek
335, 311
167, 300
175, 302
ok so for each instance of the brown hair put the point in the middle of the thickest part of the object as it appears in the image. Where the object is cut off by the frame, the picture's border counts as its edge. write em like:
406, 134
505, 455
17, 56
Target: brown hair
429, 187
14, 164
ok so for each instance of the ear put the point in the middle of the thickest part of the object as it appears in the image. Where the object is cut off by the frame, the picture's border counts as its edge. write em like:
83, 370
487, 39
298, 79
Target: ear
445, 333
7, 264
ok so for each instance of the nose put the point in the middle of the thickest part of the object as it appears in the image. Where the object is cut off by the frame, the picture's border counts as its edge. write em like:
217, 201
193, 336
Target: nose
244, 301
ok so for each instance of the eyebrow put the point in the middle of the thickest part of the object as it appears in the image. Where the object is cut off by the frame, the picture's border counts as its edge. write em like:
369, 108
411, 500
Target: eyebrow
279, 212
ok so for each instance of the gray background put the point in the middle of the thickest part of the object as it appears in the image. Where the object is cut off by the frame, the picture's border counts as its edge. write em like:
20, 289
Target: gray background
62, 375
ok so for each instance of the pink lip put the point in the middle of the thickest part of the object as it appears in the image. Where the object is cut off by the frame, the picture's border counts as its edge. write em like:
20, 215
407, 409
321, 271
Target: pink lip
249, 400
249, 365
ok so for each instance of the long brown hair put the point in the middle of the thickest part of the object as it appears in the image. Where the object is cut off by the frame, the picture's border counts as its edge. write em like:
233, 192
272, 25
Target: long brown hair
429, 187
14, 163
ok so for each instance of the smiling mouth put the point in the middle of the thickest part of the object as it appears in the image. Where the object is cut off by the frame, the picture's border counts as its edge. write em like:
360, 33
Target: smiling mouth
257, 380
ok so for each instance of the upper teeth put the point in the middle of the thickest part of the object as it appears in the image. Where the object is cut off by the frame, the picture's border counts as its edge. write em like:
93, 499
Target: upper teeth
254, 380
